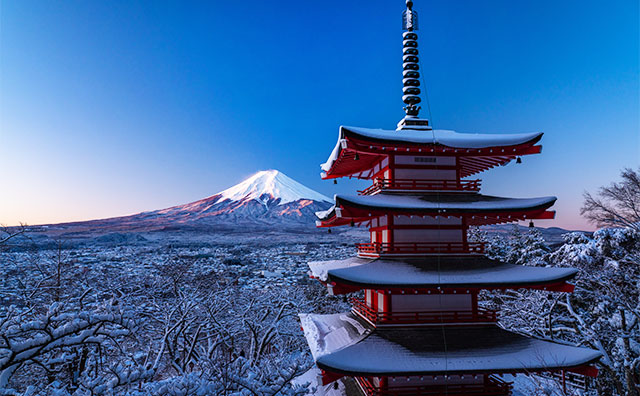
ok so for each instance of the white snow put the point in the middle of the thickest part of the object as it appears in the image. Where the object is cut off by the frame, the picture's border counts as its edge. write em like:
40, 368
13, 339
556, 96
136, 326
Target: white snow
310, 376
397, 272
270, 183
447, 138
326, 334
393, 350
476, 202
313, 377
320, 269
443, 137
323, 214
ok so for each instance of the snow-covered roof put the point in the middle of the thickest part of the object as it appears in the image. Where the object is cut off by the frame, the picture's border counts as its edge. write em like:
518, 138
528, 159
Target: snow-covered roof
345, 386
439, 202
446, 271
437, 350
439, 137
329, 333
444, 137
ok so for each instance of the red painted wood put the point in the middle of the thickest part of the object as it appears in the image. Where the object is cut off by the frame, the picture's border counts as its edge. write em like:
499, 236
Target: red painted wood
373, 315
343, 288
328, 377
359, 215
370, 153
492, 386
412, 248
383, 185
589, 371
418, 227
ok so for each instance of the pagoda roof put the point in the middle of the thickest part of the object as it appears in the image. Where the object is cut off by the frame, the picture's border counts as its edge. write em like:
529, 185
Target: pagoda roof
481, 209
345, 386
436, 272
347, 345
478, 152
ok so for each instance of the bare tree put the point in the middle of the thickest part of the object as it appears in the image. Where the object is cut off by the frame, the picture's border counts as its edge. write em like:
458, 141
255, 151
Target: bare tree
7, 233
59, 338
617, 205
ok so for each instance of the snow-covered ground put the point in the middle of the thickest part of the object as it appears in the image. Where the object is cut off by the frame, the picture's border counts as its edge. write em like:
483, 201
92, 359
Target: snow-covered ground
157, 293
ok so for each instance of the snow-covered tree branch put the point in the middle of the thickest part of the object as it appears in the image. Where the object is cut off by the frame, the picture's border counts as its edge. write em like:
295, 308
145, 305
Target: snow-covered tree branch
603, 311
617, 205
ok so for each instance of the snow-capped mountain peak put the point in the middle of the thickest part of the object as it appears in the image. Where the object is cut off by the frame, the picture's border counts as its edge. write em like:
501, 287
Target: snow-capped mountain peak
270, 185
267, 198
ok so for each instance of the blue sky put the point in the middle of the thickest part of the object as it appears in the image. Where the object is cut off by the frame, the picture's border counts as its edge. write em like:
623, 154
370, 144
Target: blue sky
111, 108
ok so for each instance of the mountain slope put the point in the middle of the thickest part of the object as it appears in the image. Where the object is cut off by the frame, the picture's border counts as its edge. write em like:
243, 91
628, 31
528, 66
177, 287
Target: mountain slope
267, 198
274, 184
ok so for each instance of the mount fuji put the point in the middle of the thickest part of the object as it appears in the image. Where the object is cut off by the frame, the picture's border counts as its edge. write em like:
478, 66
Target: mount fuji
267, 198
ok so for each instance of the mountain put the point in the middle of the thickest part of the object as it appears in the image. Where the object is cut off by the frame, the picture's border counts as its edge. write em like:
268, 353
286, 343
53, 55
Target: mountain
268, 198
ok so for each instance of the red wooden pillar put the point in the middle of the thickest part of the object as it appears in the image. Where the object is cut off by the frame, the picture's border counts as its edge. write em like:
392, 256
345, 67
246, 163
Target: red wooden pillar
384, 384
474, 304
391, 229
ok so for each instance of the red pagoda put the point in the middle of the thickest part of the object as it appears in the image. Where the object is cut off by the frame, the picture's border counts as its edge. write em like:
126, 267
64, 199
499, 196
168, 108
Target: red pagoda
416, 328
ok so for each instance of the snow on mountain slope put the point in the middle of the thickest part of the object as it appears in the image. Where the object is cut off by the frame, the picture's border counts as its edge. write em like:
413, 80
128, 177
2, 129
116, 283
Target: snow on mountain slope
267, 198
265, 195
271, 183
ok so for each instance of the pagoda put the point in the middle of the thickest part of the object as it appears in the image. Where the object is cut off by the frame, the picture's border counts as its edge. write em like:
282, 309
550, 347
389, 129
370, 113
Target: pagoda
416, 327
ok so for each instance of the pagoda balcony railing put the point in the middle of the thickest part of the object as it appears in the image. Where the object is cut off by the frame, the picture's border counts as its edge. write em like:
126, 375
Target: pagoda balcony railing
480, 315
377, 249
492, 387
422, 185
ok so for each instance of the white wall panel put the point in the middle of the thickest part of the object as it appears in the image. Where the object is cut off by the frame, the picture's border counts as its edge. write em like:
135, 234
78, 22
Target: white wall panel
424, 160
426, 174
430, 302
427, 220
427, 235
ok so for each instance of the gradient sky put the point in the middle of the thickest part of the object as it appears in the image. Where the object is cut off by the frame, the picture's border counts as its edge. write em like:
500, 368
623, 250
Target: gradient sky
116, 107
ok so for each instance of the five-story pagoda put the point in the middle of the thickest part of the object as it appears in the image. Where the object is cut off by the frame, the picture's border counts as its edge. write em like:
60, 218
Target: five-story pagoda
418, 329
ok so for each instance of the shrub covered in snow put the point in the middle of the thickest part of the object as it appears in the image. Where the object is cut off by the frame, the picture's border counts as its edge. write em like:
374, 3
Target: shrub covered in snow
171, 328
604, 311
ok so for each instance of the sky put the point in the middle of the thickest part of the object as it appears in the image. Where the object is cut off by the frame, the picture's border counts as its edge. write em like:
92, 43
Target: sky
113, 108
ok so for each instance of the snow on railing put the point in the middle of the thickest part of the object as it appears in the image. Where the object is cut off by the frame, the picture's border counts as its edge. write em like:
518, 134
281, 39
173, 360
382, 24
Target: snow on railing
421, 185
375, 249
492, 386
380, 318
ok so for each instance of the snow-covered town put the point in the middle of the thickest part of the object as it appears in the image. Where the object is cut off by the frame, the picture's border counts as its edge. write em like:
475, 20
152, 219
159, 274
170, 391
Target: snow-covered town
246, 265
175, 319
